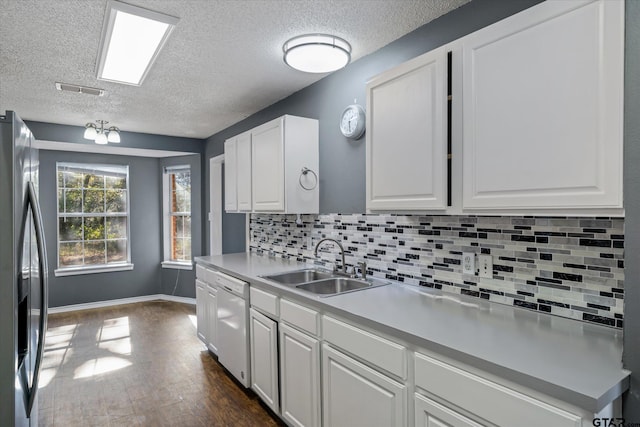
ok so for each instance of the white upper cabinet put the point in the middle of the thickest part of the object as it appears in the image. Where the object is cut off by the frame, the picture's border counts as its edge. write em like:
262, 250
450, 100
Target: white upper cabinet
230, 175
274, 168
268, 167
407, 136
244, 171
543, 109
284, 166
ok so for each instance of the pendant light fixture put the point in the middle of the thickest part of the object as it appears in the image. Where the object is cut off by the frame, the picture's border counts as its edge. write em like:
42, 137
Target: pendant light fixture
317, 53
101, 135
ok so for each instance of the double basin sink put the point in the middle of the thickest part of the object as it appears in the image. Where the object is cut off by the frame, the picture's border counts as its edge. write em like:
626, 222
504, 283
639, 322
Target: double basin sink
321, 282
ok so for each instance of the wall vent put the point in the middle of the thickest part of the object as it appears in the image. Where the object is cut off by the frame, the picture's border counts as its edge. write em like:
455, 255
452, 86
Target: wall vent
79, 89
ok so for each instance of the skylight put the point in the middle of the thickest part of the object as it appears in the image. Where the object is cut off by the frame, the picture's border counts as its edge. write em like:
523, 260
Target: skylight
132, 38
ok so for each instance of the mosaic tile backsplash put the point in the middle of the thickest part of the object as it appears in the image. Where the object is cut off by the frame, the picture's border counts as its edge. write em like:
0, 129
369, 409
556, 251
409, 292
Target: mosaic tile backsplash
566, 266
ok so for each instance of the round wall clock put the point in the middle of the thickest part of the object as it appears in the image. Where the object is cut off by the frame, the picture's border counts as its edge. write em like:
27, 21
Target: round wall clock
352, 122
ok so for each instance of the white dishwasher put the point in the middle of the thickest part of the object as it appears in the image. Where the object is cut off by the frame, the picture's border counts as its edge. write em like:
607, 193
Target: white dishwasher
232, 316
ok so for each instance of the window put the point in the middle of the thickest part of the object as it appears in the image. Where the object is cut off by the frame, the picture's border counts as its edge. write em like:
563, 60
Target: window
93, 218
177, 216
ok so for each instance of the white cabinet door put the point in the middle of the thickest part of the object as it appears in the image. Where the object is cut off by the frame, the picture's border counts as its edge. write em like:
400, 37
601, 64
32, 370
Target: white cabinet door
267, 160
230, 175
212, 309
356, 395
543, 108
299, 377
407, 136
264, 358
201, 310
244, 171
432, 414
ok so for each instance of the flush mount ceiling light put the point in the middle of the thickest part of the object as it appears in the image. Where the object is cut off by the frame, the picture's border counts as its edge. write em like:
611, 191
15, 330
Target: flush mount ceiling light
317, 53
132, 38
101, 135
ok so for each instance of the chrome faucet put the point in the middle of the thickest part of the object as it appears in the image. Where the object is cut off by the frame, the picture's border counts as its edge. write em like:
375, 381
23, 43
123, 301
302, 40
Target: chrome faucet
363, 270
344, 266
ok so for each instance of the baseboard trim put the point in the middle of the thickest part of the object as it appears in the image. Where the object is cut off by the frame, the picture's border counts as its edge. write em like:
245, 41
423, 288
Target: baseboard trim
109, 303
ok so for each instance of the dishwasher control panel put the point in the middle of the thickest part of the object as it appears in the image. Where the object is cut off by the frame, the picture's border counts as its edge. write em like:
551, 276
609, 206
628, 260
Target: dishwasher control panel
236, 286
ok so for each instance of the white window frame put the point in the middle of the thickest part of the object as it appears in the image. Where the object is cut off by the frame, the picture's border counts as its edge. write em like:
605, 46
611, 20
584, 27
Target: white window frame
166, 219
97, 268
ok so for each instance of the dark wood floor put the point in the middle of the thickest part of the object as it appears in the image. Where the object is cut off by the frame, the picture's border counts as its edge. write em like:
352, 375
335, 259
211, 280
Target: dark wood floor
138, 365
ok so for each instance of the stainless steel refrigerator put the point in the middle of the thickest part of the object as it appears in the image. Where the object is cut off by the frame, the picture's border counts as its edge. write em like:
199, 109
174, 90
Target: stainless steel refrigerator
23, 275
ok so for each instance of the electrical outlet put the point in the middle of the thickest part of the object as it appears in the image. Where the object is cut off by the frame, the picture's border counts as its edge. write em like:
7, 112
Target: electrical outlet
486, 265
468, 263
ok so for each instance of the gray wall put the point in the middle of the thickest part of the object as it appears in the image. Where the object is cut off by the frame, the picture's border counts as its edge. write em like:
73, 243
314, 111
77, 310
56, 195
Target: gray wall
75, 134
147, 277
145, 230
181, 282
631, 355
342, 162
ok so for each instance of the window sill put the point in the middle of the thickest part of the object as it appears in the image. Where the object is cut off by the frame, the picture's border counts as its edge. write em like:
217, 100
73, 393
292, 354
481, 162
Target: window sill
61, 272
177, 265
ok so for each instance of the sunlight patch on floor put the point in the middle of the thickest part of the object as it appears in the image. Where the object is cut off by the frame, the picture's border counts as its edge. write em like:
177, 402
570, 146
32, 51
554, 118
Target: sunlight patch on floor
100, 365
113, 329
120, 346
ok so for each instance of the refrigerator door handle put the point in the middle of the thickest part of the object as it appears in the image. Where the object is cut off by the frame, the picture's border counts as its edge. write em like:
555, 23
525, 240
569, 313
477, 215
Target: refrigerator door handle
44, 279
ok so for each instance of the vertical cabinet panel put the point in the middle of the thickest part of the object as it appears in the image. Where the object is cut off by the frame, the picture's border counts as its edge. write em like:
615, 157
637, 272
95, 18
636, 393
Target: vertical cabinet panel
432, 414
201, 311
407, 138
267, 160
542, 109
212, 309
264, 358
244, 171
356, 395
230, 175
299, 377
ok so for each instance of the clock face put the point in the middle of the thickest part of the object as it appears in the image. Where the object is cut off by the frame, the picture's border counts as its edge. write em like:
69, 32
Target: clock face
352, 122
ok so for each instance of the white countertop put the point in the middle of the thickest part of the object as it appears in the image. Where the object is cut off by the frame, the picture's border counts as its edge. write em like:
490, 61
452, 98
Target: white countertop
577, 362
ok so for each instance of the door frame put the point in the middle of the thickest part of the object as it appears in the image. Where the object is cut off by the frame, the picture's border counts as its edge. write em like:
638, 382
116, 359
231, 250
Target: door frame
215, 205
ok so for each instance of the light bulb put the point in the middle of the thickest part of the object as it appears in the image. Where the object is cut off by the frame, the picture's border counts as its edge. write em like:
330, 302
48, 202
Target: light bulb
101, 139
114, 135
90, 131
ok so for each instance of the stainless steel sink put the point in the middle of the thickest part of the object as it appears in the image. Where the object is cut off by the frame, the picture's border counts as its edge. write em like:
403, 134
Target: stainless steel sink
323, 283
300, 276
336, 285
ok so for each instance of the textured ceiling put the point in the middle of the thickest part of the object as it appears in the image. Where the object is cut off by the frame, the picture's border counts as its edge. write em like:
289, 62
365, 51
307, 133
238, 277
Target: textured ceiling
222, 63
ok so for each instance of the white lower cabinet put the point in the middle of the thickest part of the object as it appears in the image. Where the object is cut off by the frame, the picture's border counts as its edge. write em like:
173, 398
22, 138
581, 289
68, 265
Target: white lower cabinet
486, 400
201, 310
264, 358
432, 414
356, 395
212, 327
299, 377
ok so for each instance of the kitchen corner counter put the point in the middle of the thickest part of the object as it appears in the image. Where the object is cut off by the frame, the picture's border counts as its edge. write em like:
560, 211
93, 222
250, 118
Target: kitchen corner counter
573, 361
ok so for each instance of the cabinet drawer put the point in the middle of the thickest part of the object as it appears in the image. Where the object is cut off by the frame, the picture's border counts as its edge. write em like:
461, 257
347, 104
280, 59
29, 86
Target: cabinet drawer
488, 400
264, 301
371, 348
299, 316
201, 273
205, 274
